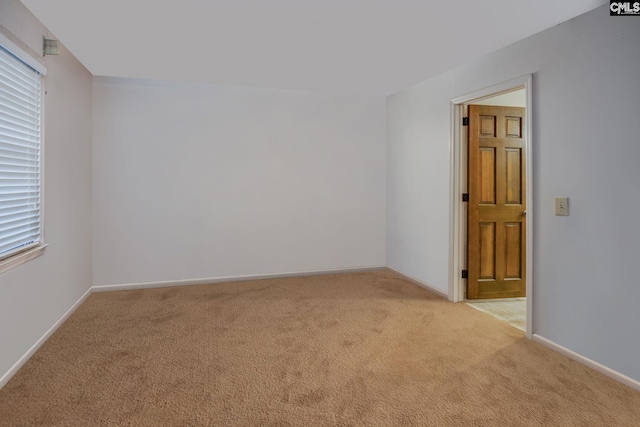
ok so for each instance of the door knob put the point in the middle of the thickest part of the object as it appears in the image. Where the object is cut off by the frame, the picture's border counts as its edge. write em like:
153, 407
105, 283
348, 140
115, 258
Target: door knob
524, 213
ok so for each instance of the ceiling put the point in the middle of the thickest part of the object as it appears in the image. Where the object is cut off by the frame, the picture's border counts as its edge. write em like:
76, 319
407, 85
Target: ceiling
373, 47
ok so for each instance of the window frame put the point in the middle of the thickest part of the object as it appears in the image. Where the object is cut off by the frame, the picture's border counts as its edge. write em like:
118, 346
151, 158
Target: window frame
33, 251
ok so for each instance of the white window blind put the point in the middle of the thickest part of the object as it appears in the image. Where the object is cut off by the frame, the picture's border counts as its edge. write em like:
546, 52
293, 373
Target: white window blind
20, 150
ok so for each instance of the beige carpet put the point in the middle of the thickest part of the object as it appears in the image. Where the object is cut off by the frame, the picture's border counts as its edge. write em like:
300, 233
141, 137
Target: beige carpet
365, 349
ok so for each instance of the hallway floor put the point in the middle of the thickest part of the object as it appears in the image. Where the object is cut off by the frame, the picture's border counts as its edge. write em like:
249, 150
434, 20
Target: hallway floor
511, 310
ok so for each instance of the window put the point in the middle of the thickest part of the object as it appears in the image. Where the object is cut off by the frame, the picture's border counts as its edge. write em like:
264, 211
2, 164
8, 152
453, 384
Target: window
20, 155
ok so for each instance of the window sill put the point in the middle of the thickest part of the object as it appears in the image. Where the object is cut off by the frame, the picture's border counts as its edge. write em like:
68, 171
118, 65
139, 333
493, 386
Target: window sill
21, 257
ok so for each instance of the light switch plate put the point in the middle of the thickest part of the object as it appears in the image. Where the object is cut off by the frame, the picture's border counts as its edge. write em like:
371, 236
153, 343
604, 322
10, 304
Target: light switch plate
562, 206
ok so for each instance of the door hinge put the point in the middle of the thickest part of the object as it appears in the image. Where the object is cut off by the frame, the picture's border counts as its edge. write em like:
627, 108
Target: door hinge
465, 121
465, 274
465, 197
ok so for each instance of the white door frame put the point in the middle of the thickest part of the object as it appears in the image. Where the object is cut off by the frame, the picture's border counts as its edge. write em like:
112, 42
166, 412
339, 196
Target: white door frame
458, 185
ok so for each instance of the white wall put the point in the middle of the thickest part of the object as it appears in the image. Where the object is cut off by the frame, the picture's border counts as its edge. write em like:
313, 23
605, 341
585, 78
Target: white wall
418, 181
35, 295
586, 99
516, 98
200, 181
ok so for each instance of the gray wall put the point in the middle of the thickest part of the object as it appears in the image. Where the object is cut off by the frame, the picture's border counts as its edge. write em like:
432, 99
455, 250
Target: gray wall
586, 146
196, 181
35, 295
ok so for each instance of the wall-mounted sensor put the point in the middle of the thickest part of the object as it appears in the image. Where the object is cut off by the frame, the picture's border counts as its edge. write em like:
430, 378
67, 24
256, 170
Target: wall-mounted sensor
50, 47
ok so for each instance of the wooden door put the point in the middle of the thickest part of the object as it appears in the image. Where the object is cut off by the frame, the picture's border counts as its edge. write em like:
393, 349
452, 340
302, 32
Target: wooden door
496, 209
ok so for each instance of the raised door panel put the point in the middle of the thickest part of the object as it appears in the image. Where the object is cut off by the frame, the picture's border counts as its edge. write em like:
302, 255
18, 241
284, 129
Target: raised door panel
513, 170
487, 249
488, 126
513, 250
513, 127
488, 176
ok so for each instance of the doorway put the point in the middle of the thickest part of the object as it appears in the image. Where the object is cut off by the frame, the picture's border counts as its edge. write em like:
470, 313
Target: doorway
514, 93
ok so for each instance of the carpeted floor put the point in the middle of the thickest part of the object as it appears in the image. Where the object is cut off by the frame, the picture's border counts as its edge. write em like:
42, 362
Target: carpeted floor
367, 349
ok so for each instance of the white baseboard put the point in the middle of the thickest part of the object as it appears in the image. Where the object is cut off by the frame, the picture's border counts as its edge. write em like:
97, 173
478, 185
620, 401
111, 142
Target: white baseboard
588, 362
419, 283
16, 367
212, 280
